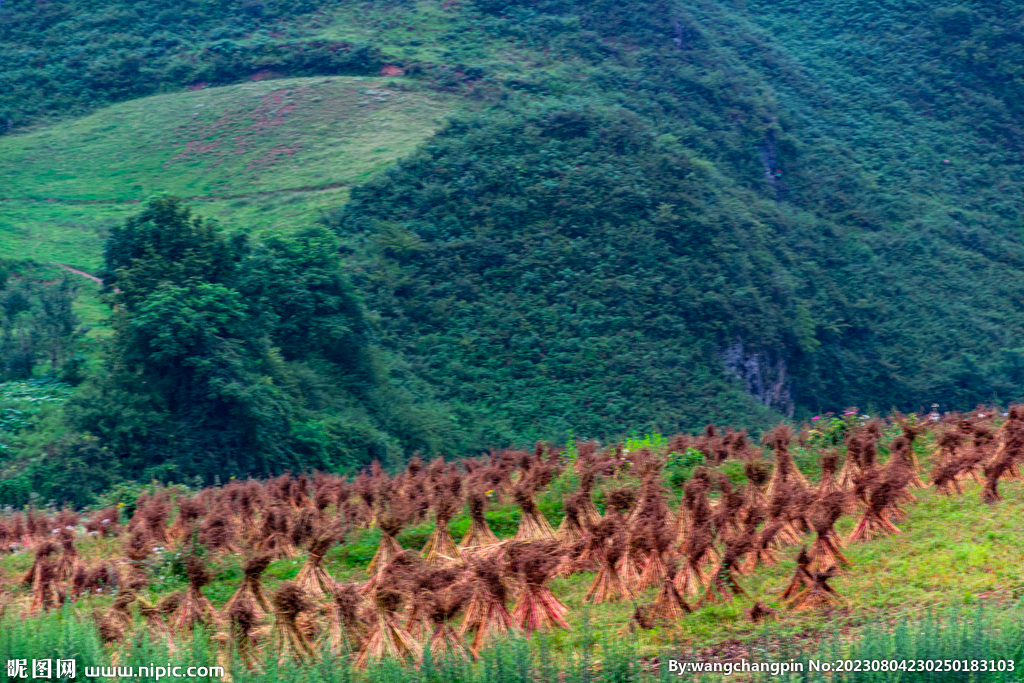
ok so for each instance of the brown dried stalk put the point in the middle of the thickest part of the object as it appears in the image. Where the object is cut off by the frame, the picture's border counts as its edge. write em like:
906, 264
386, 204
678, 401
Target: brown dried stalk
244, 632
194, 607
725, 516
487, 616
900, 458
698, 549
829, 463
155, 624
137, 548
910, 433
479, 535
312, 579
946, 476
41, 577
444, 607
764, 552
609, 542
785, 471
669, 605
250, 593
154, 517
536, 607
757, 477
218, 531
273, 535
348, 632
189, 512
659, 535
69, 561
304, 528
250, 499
723, 585
445, 499
103, 522
290, 641
818, 593
826, 549
387, 636
1010, 451
533, 525
761, 612
589, 514
572, 528
881, 507
421, 585
801, 577
629, 564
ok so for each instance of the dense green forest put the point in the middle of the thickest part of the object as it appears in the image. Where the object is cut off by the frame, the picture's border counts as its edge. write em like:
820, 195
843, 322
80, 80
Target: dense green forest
643, 216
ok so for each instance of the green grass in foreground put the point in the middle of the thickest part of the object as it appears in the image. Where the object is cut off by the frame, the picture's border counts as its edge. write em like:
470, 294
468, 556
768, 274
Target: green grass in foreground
261, 155
982, 635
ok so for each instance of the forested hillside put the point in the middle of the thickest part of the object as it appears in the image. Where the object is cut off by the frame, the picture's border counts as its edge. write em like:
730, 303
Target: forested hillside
684, 193
637, 216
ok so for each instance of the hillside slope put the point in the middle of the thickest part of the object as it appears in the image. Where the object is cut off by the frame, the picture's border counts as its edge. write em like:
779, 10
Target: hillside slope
639, 215
680, 194
264, 155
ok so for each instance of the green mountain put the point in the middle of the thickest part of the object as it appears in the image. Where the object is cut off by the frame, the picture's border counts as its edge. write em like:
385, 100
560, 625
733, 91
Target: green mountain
635, 215
798, 195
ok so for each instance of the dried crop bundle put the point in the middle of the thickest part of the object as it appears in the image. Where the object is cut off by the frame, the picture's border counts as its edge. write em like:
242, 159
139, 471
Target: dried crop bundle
387, 636
763, 552
274, 533
479, 536
69, 561
487, 616
250, 593
189, 512
445, 499
723, 585
536, 607
348, 632
533, 525
391, 521
609, 542
760, 612
826, 549
290, 640
786, 471
443, 608
1010, 451
194, 607
312, 579
572, 528
421, 585
218, 531
818, 594
41, 577
882, 505
669, 605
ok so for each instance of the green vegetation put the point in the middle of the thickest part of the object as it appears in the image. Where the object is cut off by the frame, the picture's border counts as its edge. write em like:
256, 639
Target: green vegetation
639, 216
985, 634
119, 50
271, 155
679, 190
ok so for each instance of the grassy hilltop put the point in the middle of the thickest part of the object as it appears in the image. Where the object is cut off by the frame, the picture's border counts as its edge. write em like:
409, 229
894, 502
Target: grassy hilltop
270, 155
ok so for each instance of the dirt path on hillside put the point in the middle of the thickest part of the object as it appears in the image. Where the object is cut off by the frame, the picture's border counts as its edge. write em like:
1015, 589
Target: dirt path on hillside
76, 271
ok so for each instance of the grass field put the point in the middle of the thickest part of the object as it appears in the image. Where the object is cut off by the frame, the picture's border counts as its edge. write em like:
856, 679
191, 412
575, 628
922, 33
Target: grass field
261, 155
